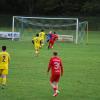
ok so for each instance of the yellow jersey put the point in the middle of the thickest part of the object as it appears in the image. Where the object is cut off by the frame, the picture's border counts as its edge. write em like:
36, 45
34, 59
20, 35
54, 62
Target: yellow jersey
42, 35
36, 40
4, 60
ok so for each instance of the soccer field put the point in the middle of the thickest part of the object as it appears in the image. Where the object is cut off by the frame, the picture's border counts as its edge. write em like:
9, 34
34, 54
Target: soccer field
28, 80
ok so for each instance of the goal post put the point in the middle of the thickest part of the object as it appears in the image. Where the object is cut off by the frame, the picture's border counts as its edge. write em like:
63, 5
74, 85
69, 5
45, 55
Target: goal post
66, 28
83, 32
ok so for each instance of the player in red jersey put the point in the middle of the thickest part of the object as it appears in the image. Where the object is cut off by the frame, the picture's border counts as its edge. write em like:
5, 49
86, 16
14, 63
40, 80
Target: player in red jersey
52, 40
55, 64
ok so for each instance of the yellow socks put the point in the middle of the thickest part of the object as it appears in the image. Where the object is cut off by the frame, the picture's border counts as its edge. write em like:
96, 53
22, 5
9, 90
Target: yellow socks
4, 81
0, 80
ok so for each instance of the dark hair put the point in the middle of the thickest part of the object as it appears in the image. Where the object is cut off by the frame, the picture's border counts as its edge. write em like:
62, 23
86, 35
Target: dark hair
37, 34
54, 32
42, 30
55, 53
3, 48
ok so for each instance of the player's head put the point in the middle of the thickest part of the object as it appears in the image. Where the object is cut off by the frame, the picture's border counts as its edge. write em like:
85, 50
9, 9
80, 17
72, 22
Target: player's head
3, 48
54, 32
55, 53
37, 35
42, 30
50, 32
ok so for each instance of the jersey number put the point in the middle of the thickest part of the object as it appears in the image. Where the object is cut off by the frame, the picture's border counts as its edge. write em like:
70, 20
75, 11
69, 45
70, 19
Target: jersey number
57, 65
3, 58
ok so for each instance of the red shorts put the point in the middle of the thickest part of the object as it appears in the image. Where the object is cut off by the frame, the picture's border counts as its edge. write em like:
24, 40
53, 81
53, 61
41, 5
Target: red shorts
55, 78
51, 42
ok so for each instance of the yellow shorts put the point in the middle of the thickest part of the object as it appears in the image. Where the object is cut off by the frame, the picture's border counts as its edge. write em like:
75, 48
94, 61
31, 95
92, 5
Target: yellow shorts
42, 39
37, 47
3, 71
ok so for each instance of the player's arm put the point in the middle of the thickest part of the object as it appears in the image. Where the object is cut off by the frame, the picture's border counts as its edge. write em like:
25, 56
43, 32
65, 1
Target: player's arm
62, 71
40, 34
33, 41
56, 37
8, 58
40, 42
49, 66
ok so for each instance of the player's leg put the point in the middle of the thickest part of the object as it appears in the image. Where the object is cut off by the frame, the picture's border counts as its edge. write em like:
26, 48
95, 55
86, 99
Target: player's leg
56, 85
49, 44
4, 77
55, 89
37, 50
53, 85
52, 82
52, 44
42, 42
56, 80
4, 74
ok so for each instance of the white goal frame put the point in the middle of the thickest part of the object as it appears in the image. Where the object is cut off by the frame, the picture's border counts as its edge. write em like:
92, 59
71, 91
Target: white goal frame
76, 19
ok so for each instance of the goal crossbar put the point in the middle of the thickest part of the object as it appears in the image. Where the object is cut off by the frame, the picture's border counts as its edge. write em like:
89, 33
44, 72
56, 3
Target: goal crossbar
45, 18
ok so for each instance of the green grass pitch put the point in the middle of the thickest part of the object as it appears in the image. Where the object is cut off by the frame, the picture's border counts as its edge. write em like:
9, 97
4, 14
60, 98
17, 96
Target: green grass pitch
28, 80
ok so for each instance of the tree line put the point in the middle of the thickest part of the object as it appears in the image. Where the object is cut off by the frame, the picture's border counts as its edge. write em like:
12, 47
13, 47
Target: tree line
50, 7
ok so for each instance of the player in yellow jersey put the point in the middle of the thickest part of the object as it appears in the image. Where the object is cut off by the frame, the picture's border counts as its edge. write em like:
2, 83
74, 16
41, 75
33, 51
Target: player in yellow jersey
4, 62
36, 42
42, 36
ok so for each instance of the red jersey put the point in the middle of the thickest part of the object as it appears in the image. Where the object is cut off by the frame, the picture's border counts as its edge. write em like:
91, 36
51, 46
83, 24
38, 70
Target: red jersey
54, 37
55, 64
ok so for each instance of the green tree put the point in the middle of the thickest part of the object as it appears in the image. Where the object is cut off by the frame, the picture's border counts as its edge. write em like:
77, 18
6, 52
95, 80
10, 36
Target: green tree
91, 7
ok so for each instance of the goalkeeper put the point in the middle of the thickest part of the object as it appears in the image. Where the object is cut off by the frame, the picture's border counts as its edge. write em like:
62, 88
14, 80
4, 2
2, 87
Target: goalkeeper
48, 36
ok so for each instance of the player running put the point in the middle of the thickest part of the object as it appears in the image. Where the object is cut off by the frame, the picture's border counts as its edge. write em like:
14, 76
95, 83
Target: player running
52, 40
4, 62
48, 36
55, 64
36, 42
42, 36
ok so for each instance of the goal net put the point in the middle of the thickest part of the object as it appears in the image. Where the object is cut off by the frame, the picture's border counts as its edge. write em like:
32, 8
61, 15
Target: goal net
68, 29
